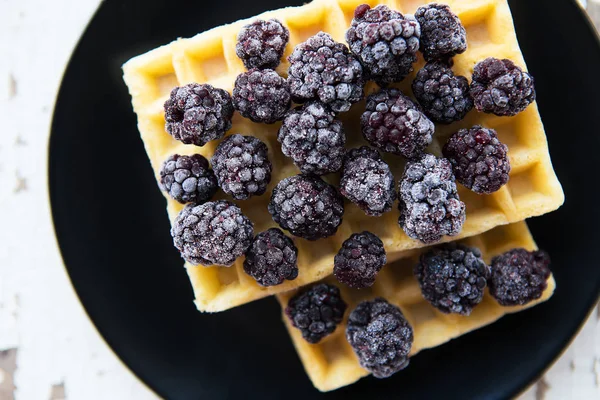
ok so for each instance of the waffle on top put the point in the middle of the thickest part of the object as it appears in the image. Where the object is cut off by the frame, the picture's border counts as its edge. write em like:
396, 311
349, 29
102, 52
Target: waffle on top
209, 57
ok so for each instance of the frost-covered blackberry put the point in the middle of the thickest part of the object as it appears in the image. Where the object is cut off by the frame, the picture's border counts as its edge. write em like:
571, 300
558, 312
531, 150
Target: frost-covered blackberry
188, 179
261, 44
442, 34
272, 258
261, 95
359, 260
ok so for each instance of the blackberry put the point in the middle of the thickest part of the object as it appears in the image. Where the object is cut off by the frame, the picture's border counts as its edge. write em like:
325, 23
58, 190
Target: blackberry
272, 258
452, 277
500, 87
197, 114
188, 178
317, 311
367, 181
261, 44
307, 206
242, 166
519, 276
380, 336
479, 160
393, 123
213, 233
314, 138
359, 260
429, 204
385, 42
443, 96
442, 34
323, 69
261, 95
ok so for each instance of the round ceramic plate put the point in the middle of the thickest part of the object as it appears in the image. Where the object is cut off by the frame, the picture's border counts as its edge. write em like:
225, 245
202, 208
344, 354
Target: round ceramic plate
114, 233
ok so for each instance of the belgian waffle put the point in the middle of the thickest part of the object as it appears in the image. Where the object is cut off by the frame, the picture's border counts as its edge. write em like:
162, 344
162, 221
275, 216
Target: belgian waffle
210, 57
331, 363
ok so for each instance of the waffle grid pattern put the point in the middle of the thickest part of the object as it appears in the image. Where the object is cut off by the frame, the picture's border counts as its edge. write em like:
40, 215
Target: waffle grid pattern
332, 363
210, 57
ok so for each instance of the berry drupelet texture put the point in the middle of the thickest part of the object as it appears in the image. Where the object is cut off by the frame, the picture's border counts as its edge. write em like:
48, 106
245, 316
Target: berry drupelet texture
385, 42
479, 160
261, 44
359, 260
197, 114
442, 34
188, 179
307, 206
500, 87
380, 336
242, 166
214, 233
519, 276
367, 181
313, 138
452, 277
444, 97
317, 311
393, 123
261, 95
429, 204
272, 258
323, 69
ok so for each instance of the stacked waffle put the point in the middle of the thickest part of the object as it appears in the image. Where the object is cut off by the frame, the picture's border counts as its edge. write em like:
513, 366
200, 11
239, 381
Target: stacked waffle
492, 220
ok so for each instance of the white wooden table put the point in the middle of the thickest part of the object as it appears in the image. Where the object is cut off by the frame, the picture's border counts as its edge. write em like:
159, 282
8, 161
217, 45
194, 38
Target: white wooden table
48, 347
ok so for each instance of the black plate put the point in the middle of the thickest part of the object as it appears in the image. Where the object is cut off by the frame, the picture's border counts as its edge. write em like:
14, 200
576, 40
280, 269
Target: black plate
114, 233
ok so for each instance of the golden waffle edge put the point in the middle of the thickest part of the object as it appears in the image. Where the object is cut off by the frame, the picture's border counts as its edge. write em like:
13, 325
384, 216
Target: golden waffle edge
210, 57
331, 363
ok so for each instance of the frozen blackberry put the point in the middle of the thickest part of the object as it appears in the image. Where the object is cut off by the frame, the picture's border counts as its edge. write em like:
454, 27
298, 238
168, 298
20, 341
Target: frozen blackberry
380, 336
242, 166
261, 95
188, 178
429, 204
500, 87
272, 258
443, 96
479, 160
385, 42
213, 233
367, 181
519, 276
314, 138
452, 277
442, 34
197, 114
261, 44
317, 311
323, 69
393, 123
359, 260
307, 206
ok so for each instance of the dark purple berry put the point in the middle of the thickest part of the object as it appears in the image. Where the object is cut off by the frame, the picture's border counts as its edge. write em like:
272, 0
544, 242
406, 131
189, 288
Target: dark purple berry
442, 34
272, 258
385, 42
479, 160
242, 166
261, 44
213, 233
323, 69
261, 95
313, 138
188, 179
452, 277
429, 203
359, 260
393, 123
367, 181
500, 87
317, 311
519, 276
380, 336
197, 114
